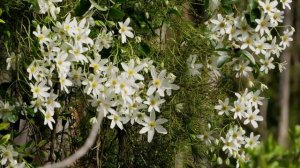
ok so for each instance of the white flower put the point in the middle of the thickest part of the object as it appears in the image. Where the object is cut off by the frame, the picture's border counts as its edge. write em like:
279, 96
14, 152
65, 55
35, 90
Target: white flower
98, 64
39, 90
42, 34
103, 103
192, 67
245, 97
37, 104
206, 137
228, 145
267, 64
248, 42
131, 71
243, 69
235, 135
220, 24
115, 119
223, 107
252, 141
7, 154
139, 117
104, 40
53, 9
48, 6
50, 101
252, 117
256, 99
159, 82
63, 66
277, 17
48, 116
154, 103
286, 38
65, 83
5, 109
81, 34
125, 30
11, 61
77, 53
76, 76
263, 24
243, 28
282, 66
15, 164
67, 27
238, 109
151, 124
286, 3
268, 7
261, 46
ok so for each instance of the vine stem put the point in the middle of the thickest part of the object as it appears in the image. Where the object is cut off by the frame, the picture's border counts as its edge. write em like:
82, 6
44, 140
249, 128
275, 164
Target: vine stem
82, 150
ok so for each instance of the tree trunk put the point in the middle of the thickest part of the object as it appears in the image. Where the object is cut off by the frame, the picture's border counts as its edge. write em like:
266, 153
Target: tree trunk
285, 89
296, 57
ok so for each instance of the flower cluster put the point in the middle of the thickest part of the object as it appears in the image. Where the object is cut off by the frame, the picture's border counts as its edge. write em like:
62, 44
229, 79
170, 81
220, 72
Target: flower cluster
193, 67
48, 6
244, 109
235, 142
122, 92
250, 45
258, 44
8, 157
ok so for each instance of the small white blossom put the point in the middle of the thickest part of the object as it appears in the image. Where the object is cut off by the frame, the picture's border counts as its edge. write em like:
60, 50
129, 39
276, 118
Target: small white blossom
152, 124
125, 30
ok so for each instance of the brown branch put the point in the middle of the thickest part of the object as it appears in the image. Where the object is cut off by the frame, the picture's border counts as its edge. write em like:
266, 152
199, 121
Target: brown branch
81, 151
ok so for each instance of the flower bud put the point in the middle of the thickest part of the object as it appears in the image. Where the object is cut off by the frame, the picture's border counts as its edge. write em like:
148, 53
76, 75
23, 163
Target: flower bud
93, 120
179, 107
219, 160
227, 162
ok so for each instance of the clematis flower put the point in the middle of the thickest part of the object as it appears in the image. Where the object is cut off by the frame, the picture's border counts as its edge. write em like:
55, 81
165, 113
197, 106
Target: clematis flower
39, 90
125, 30
152, 124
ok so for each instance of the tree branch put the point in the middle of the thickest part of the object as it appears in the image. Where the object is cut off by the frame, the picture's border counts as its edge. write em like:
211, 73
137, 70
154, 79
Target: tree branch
81, 151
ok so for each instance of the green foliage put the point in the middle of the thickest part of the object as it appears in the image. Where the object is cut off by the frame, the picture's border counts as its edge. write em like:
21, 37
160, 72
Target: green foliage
271, 155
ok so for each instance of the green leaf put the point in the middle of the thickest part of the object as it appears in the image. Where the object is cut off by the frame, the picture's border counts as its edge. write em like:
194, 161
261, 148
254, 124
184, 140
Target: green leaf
227, 6
2, 21
82, 7
247, 55
5, 139
12, 118
222, 60
174, 11
116, 14
144, 48
206, 4
255, 14
99, 23
4, 126
42, 143
98, 6
111, 23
